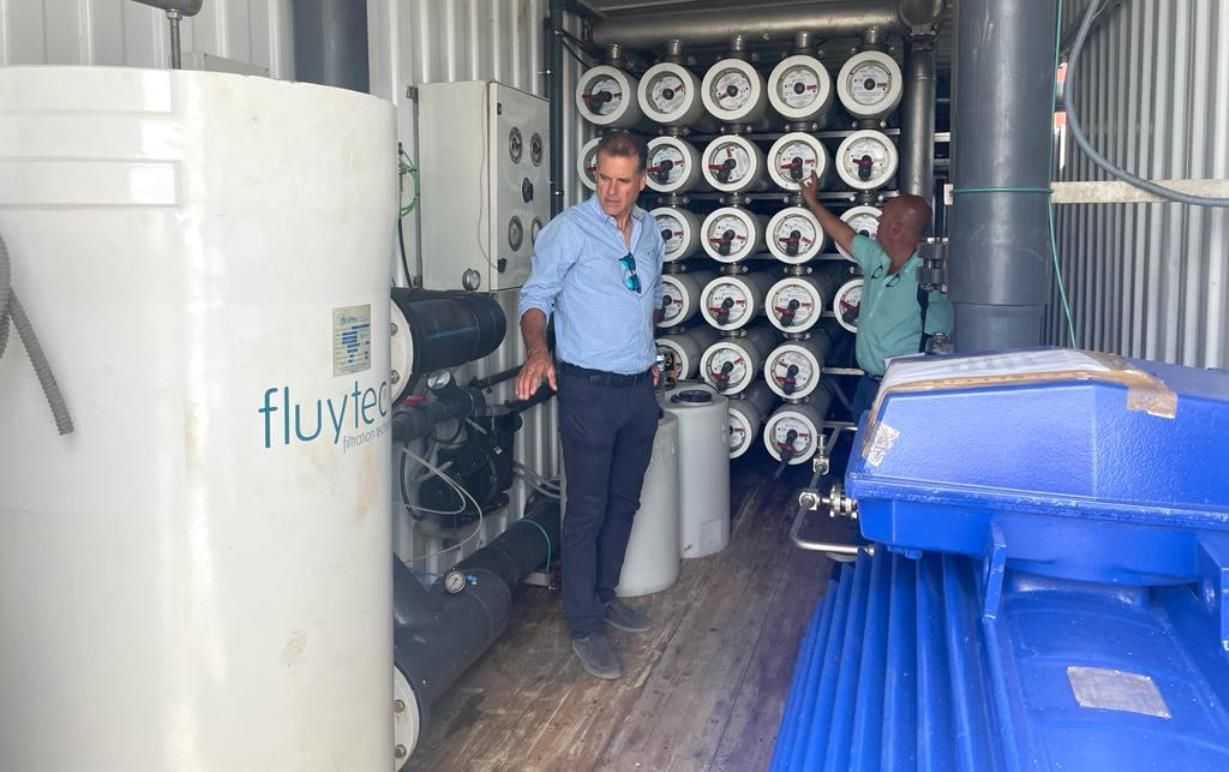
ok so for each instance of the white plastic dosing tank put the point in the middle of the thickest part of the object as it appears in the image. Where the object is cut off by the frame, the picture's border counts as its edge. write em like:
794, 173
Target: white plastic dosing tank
687, 348
704, 467
653, 557
198, 577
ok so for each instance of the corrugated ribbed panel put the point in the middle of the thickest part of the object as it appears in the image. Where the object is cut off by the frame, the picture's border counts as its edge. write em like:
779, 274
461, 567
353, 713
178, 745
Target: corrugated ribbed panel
121, 32
1152, 91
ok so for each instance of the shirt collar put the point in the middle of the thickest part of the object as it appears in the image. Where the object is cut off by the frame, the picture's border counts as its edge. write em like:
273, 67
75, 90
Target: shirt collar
913, 262
595, 206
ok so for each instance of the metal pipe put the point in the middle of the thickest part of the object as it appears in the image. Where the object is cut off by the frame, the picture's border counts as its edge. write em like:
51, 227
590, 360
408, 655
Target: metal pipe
176, 47
706, 27
999, 264
555, 95
917, 140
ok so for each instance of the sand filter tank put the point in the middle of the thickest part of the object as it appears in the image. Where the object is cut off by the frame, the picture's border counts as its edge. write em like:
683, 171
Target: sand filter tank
704, 467
197, 578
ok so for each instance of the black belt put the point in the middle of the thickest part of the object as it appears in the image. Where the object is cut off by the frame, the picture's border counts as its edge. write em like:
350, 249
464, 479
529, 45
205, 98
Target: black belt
603, 378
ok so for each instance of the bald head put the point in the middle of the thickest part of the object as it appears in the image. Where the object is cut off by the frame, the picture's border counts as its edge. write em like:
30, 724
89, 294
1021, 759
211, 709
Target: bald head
905, 217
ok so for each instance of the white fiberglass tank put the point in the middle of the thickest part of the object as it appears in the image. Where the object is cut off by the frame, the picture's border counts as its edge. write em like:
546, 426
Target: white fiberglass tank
673, 165
680, 232
870, 85
685, 349
793, 235
682, 295
733, 92
669, 95
606, 96
800, 88
748, 412
652, 561
586, 164
704, 467
864, 219
866, 160
197, 578
793, 158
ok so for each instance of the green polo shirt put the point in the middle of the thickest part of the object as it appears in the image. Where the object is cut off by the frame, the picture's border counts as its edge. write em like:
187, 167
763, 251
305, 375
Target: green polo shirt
889, 318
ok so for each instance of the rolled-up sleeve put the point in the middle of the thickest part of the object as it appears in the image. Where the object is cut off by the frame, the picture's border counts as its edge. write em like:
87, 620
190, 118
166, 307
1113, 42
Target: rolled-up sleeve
556, 251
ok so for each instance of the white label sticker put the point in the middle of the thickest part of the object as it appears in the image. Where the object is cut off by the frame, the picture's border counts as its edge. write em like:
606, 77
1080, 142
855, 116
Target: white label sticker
351, 339
1096, 687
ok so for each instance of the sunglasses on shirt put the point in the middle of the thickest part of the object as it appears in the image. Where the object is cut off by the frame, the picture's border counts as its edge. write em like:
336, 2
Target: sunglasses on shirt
630, 279
892, 282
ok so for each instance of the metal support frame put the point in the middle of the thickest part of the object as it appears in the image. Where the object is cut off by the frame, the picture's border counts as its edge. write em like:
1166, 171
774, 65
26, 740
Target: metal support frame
555, 95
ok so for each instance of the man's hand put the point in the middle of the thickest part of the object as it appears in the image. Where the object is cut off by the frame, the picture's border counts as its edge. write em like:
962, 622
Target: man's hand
808, 188
538, 365
655, 372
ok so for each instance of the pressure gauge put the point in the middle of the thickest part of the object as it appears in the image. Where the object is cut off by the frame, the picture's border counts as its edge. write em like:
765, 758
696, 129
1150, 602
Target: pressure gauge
670, 95
794, 235
606, 96
516, 234
732, 233
516, 145
680, 230
866, 160
795, 303
847, 302
733, 164
733, 92
687, 348
732, 302
869, 85
792, 433
732, 364
586, 164
682, 295
800, 88
673, 165
864, 220
793, 157
454, 582
794, 368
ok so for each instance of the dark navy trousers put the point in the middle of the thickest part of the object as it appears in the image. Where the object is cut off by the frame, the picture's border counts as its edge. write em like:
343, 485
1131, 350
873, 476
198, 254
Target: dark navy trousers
607, 430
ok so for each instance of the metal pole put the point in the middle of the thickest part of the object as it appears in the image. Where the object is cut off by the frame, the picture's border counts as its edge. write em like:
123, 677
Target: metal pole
330, 43
554, 89
917, 171
999, 265
176, 52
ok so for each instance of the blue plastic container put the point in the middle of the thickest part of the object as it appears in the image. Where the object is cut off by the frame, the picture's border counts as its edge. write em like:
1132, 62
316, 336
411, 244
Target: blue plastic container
1049, 584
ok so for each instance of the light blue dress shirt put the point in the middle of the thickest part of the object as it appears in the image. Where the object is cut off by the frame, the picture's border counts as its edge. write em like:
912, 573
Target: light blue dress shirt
599, 323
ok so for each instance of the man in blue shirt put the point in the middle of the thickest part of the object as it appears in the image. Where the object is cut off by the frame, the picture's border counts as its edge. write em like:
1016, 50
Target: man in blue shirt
894, 315
597, 269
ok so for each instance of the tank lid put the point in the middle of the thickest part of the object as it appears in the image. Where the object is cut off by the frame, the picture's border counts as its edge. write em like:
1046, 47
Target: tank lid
693, 397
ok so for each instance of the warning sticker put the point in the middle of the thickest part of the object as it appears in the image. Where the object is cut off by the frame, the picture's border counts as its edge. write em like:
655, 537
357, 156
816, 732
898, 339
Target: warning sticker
351, 339
1096, 687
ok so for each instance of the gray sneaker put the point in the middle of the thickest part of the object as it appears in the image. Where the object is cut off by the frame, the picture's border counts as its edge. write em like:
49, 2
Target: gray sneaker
597, 656
620, 616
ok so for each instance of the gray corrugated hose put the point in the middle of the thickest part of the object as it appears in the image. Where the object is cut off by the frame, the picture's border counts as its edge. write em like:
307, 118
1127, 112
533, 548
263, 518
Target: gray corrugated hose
11, 306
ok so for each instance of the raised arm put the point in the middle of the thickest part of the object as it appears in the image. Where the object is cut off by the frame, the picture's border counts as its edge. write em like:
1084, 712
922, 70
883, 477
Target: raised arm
835, 227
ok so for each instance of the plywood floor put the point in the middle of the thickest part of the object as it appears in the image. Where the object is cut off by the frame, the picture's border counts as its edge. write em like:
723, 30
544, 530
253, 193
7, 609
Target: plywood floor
704, 690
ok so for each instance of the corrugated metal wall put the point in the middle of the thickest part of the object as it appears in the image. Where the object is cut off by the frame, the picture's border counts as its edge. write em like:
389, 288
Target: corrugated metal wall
121, 32
425, 41
1152, 91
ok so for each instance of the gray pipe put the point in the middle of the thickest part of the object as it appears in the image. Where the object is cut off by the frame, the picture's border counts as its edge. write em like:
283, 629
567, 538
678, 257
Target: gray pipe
917, 141
556, 104
999, 264
330, 43
707, 27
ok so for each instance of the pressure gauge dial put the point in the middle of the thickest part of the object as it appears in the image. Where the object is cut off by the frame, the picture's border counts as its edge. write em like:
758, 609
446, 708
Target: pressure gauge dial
864, 220
794, 235
733, 92
454, 582
867, 160
673, 165
606, 96
869, 85
800, 88
680, 230
516, 233
847, 302
794, 157
732, 234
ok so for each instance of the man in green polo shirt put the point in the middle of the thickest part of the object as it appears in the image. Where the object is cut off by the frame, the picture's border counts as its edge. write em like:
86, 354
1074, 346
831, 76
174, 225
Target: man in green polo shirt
890, 317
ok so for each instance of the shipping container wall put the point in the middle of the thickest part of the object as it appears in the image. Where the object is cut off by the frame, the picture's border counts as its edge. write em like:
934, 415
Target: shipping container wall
425, 41
1152, 91
124, 33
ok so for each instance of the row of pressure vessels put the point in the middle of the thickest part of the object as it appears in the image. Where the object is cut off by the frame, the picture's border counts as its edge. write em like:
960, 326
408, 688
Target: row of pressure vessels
733, 91
793, 304
791, 370
731, 234
865, 160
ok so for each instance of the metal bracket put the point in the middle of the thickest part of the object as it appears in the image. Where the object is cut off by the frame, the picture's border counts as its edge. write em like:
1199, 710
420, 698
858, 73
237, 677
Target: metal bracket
411, 93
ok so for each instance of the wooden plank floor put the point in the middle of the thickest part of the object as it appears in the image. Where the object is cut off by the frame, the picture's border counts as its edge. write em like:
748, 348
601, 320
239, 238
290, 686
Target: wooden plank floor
704, 690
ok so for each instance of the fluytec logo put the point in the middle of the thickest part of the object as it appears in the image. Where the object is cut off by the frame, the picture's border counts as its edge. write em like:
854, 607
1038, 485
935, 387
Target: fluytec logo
350, 419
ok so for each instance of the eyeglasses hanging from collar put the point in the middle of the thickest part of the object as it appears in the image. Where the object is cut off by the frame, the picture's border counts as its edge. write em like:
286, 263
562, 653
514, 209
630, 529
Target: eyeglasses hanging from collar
630, 279
892, 282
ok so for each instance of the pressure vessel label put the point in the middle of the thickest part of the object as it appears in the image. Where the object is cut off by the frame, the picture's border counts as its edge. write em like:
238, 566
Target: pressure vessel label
351, 339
